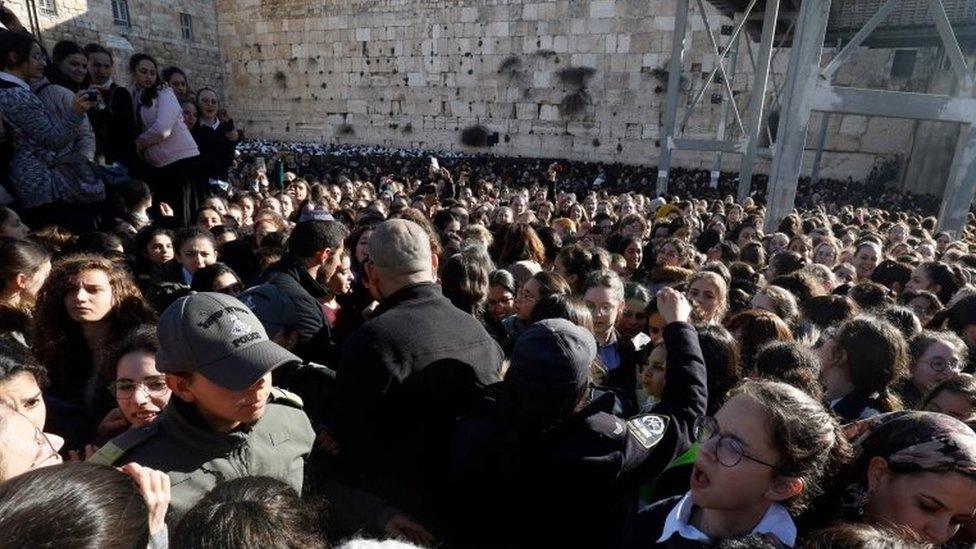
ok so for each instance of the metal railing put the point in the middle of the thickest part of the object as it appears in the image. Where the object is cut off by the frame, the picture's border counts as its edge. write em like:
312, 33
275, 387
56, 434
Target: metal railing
853, 14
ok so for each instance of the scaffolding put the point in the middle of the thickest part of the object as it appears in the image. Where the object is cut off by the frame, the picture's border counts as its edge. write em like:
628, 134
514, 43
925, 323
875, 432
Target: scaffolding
804, 27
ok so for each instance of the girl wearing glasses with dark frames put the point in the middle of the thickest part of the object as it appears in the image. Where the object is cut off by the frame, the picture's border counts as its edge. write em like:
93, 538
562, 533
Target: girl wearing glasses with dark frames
935, 357
760, 459
139, 389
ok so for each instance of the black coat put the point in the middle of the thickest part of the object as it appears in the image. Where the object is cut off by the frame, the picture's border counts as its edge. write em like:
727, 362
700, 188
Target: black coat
403, 380
115, 127
314, 336
646, 528
216, 151
576, 484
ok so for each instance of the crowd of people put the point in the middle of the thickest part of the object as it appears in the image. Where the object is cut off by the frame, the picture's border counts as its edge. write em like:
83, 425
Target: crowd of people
210, 343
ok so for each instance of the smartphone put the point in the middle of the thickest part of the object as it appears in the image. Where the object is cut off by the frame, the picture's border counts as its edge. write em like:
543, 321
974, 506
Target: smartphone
434, 164
91, 95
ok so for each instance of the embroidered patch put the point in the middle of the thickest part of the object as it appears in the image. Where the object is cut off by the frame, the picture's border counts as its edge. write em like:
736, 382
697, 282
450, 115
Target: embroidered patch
648, 429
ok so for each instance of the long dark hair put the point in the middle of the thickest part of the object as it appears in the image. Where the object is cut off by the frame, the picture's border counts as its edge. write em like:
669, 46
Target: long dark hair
877, 357
943, 275
16, 43
251, 511
19, 257
807, 436
148, 95
77, 505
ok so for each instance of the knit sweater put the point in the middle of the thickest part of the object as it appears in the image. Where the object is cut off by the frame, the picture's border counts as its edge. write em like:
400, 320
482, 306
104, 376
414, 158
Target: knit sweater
38, 137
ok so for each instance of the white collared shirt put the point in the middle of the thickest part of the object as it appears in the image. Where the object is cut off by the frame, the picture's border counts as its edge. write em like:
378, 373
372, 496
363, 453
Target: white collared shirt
14, 80
777, 521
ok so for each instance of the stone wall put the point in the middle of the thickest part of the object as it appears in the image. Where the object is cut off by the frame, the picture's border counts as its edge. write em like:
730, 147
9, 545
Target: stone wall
583, 79
154, 28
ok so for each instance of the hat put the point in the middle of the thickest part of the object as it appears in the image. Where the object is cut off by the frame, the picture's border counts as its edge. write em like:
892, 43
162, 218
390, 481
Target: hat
216, 335
666, 210
315, 215
653, 205
273, 307
552, 354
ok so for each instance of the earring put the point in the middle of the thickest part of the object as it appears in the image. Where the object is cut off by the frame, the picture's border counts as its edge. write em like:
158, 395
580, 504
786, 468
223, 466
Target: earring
862, 500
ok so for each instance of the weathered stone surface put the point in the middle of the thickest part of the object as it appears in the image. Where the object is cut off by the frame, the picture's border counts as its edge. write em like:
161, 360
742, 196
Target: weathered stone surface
442, 65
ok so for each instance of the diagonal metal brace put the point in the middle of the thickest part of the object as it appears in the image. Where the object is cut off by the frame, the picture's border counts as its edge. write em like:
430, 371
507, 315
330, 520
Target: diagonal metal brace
721, 59
952, 49
828, 72
721, 65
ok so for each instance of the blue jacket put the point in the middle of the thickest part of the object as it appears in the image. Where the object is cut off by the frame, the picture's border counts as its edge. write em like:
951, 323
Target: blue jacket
37, 139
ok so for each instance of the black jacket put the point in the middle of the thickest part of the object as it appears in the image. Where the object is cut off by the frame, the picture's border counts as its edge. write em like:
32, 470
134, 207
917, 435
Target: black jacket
404, 378
576, 484
854, 404
646, 528
216, 151
314, 337
115, 127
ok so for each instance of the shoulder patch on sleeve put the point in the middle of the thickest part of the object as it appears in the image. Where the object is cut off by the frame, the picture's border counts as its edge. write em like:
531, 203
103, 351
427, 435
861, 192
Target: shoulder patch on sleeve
286, 398
648, 429
114, 449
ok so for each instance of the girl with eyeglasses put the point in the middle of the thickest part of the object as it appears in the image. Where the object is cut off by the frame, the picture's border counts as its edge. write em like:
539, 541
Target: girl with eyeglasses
139, 389
760, 459
935, 357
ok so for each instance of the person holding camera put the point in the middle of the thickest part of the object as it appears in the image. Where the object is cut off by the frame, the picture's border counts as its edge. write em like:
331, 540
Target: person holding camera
43, 140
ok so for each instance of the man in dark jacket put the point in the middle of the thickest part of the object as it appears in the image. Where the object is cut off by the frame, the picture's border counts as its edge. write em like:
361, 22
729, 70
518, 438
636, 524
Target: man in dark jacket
315, 251
407, 374
547, 468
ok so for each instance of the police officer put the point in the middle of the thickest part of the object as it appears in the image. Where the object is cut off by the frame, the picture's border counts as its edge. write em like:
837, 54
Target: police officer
543, 465
224, 420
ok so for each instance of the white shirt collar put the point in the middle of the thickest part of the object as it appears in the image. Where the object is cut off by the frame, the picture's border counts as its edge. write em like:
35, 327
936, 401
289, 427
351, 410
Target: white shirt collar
777, 521
14, 80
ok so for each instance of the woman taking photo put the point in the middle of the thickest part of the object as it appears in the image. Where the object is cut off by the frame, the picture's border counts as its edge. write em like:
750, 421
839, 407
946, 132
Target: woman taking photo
164, 142
87, 304
38, 136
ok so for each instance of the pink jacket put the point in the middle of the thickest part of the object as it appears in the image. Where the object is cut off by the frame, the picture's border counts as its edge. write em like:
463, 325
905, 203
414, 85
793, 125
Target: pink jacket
165, 135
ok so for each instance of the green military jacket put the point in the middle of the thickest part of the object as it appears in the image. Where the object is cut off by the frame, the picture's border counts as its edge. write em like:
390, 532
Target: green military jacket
197, 458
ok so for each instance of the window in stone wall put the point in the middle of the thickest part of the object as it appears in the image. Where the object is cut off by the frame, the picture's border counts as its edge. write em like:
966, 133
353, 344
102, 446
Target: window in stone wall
186, 26
903, 65
120, 12
48, 6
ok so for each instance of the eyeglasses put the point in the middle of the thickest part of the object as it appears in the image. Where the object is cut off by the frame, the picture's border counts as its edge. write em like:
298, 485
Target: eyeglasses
602, 308
525, 296
728, 450
503, 301
942, 365
232, 289
125, 389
